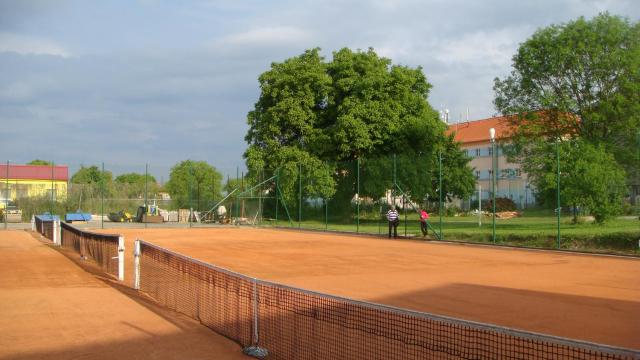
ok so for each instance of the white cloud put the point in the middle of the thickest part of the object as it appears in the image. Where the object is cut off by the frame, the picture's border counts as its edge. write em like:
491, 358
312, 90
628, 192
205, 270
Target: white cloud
30, 45
277, 35
489, 47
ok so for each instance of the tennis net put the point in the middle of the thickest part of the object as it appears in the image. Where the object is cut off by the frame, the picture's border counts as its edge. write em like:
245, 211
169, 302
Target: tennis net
106, 250
45, 225
293, 323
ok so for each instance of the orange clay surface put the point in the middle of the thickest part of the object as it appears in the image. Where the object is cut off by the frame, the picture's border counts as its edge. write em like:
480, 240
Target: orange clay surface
593, 298
51, 308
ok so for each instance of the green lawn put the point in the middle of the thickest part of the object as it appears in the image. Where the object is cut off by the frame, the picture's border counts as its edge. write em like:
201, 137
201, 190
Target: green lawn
535, 229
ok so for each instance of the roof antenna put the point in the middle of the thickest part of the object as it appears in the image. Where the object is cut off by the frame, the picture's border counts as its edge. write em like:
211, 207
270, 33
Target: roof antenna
467, 114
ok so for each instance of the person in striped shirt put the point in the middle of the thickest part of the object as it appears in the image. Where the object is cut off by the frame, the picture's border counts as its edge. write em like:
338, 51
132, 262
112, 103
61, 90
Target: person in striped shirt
394, 220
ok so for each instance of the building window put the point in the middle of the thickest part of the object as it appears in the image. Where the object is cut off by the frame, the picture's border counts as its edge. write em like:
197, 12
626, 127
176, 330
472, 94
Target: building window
477, 174
490, 151
477, 152
518, 173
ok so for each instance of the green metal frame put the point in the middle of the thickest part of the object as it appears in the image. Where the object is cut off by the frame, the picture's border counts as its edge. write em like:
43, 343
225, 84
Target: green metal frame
248, 194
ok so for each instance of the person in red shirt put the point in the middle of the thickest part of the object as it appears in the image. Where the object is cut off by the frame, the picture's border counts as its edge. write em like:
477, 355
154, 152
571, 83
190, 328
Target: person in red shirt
424, 217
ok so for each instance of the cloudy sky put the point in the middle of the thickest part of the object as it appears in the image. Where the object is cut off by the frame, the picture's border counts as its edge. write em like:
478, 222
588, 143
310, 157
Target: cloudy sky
133, 82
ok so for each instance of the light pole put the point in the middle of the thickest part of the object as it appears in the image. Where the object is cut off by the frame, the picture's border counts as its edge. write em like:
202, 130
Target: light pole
492, 135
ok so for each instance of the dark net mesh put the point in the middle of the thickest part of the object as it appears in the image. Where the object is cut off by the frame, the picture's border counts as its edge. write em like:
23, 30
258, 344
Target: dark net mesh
44, 227
101, 248
292, 323
219, 300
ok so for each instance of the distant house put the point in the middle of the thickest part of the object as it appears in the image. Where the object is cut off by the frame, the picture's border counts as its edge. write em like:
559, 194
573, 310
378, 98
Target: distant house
511, 182
164, 196
22, 181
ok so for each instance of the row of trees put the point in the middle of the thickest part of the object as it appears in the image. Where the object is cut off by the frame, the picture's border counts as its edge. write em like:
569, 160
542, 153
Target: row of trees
576, 83
191, 183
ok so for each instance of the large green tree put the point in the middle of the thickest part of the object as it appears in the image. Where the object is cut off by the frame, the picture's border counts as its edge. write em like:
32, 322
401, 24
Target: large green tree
91, 175
590, 178
134, 185
90, 183
194, 184
576, 80
321, 117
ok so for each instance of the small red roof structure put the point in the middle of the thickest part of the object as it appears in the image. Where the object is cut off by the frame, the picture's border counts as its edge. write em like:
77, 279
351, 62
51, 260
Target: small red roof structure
35, 172
478, 130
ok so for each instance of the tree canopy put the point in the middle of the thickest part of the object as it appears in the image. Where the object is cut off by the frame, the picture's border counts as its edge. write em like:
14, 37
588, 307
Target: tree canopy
579, 80
589, 176
91, 175
40, 162
135, 185
319, 117
194, 184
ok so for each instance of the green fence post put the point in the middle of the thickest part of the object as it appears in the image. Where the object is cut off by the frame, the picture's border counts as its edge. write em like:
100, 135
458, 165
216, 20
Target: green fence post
102, 198
379, 216
440, 192
493, 181
326, 214
260, 177
299, 195
190, 195
277, 191
237, 198
146, 194
358, 195
393, 191
53, 189
559, 207
6, 200
404, 205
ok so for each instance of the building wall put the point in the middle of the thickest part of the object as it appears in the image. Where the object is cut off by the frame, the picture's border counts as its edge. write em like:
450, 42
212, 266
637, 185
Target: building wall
22, 188
511, 182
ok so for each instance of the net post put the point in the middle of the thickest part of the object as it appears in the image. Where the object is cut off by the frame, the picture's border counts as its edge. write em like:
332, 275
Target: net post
255, 350
136, 265
33, 223
121, 258
56, 235
255, 313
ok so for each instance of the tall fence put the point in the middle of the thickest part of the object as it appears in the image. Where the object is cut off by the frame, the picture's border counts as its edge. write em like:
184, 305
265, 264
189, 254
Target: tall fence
292, 323
354, 196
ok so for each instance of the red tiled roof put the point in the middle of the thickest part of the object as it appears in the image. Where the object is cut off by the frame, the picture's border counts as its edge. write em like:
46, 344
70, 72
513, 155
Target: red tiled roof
478, 130
35, 172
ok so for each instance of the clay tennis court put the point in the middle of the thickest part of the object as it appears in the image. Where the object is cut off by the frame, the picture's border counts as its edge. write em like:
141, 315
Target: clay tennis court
593, 298
51, 308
